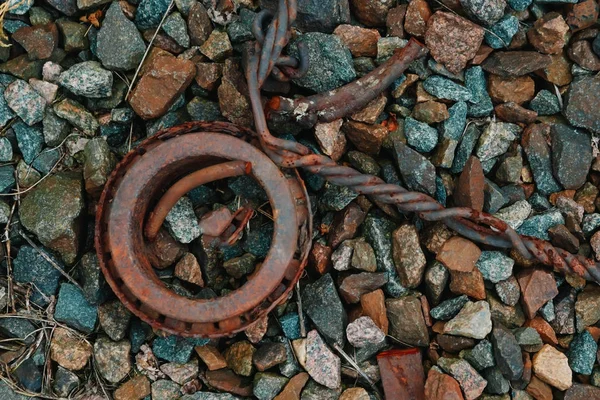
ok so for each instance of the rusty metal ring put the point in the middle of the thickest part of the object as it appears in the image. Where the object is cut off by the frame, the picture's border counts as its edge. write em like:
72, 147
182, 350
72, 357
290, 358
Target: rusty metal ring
140, 180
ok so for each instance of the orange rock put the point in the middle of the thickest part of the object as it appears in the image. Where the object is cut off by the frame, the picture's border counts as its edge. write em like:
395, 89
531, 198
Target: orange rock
395, 21
161, 86
320, 258
417, 15
293, 388
539, 390
582, 15
559, 70
469, 188
517, 89
361, 42
459, 254
469, 283
441, 387
136, 388
512, 112
373, 306
549, 33
211, 356
371, 13
537, 288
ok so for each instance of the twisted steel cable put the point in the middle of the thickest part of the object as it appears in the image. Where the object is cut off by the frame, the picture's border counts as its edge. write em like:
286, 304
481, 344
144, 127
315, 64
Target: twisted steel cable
265, 60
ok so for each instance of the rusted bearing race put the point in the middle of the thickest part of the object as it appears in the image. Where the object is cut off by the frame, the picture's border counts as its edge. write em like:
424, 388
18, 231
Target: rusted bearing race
137, 184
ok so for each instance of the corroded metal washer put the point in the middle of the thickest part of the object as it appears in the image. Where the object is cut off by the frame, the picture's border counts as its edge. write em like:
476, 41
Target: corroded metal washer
135, 186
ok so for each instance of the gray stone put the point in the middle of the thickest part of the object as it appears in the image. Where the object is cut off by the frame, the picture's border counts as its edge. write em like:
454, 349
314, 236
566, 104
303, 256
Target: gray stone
495, 266
581, 103
570, 171
64, 381
19, 328
87, 79
582, 353
406, 321
507, 352
74, 310
323, 16
417, 171
539, 224
267, 385
444, 88
119, 44
55, 129
182, 222
436, 280
473, 320
112, 358
420, 135
449, 308
515, 214
25, 102
481, 356
164, 389
470, 381
52, 212
30, 140
32, 267
175, 27
363, 331
330, 62
486, 12
114, 319
322, 303
495, 139
508, 291
321, 363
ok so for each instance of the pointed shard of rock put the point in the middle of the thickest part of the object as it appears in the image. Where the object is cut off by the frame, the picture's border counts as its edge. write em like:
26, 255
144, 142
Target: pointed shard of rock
537, 288
321, 364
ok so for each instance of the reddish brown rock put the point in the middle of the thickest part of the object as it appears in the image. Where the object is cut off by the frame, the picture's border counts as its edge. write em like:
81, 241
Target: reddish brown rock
161, 86
469, 188
367, 138
544, 329
293, 388
537, 288
211, 356
395, 21
402, 374
371, 13
188, 269
558, 71
162, 41
227, 381
361, 42
345, 224
320, 258
539, 390
354, 286
582, 15
469, 283
199, 24
515, 63
549, 34
136, 388
39, 41
164, 251
208, 75
330, 138
370, 113
430, 112
459, 254
512, 112
581, 53
454, 344
519, 89
417, 15
233, 95
483, 53
440, 386
373, 306
435, 236
452, 40
581, 391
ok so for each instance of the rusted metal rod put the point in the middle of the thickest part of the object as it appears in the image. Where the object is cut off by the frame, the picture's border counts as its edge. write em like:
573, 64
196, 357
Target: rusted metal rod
352, 97
189, 182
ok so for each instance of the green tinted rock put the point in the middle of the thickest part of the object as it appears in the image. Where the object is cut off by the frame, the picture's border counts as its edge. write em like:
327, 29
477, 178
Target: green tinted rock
582, 353
87, 79
74, 310
52, 212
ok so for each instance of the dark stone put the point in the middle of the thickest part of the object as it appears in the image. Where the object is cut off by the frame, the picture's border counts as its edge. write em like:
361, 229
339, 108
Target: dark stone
150, 12
507, 352
31, 267
570, 171
564, 309
454, 344
407, 323
354, 286
515, 63
324, 307
175, 348
67, 7
486, 12
321, 16
580, 391
496, 383
19, 328
29, 375
582, 102
417, 171
538, 154
73, 309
